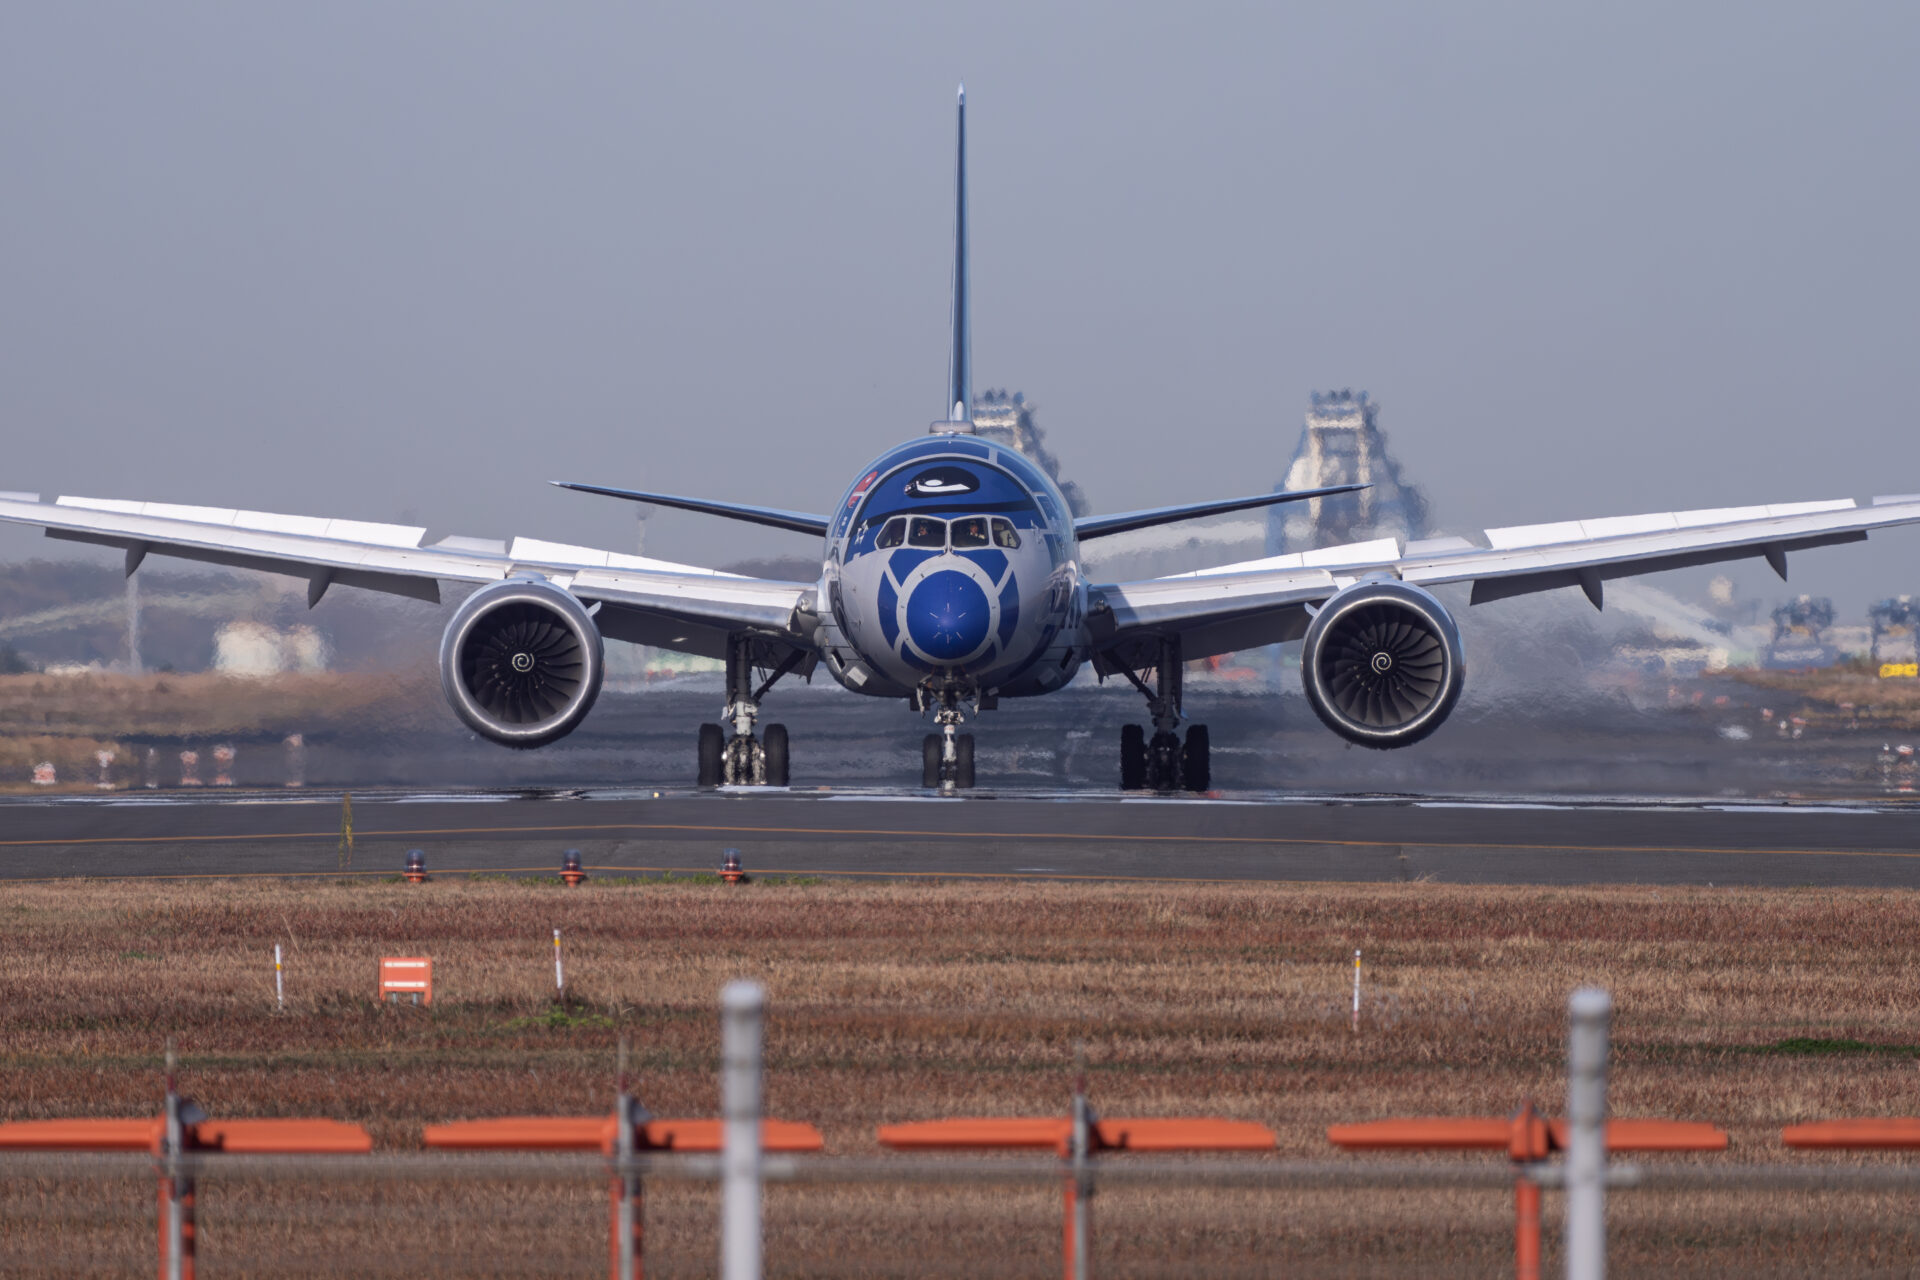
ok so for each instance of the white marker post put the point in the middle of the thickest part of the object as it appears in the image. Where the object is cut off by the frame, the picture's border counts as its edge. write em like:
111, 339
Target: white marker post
742, 1010
559, 974
1589, 1022
1356, 991
279, 990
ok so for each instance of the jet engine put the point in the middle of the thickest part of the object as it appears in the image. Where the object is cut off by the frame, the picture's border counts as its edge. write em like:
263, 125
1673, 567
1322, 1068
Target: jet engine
521, 662
1382, 664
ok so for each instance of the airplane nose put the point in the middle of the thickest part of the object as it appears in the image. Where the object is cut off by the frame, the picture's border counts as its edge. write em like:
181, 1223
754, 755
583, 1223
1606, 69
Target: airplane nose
947, 616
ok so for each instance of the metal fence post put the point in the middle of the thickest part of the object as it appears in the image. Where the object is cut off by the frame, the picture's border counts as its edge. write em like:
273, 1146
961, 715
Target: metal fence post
1590, 1010
177, 1244
627, 1210
1080, 1188
742, 1006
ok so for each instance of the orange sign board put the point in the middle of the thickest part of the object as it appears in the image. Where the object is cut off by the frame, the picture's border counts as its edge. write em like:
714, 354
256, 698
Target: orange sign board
406, 977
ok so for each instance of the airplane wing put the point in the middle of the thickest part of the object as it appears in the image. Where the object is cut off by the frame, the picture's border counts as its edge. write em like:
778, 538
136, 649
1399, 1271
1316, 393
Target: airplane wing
647, 601
1257, 602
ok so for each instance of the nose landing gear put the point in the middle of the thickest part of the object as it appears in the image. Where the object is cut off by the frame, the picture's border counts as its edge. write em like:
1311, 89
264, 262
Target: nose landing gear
946, 757
1164, 762
745, 760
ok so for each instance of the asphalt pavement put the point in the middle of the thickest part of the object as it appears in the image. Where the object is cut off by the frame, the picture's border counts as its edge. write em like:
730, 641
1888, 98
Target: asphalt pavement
907, 833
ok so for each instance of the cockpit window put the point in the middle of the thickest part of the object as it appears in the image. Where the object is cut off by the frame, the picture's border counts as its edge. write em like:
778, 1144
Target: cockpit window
894, 534
970, 532
1004, 534
923, 532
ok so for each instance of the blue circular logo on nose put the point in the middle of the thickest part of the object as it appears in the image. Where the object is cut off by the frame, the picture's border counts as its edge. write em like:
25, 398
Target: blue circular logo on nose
947, 616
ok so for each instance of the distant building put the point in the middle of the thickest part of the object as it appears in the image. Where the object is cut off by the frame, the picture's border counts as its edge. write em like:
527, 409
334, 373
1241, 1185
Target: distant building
1341, 443
1009, 420
255, 649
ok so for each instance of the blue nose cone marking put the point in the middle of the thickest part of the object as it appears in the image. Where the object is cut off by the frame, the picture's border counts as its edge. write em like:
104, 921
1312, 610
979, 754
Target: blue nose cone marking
947, 616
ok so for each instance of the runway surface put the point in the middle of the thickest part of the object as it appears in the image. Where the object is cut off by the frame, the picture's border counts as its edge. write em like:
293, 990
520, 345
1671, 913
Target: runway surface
1067, 835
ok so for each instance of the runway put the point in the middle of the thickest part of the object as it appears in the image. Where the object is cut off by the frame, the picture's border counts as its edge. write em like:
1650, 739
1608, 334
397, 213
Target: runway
898, 833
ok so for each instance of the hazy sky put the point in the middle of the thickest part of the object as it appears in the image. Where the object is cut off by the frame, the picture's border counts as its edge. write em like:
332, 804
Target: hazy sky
416, 259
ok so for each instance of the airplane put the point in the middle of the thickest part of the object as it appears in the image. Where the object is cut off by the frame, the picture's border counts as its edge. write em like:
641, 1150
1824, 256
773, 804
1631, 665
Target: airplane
950, 578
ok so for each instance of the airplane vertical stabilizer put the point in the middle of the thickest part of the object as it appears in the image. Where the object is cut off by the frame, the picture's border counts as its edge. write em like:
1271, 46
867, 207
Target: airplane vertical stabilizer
960, 362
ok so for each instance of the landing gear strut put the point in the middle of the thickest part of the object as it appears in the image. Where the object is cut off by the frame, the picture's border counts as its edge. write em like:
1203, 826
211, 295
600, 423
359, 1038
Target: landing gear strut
1163, 762
744, 760
946, 757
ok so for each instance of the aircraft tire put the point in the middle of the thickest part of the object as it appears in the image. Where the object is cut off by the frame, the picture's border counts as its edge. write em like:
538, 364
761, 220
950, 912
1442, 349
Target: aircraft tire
1163, 762
713, 746
963, 760
773, 741
1196, 760
930, 760
1133, 758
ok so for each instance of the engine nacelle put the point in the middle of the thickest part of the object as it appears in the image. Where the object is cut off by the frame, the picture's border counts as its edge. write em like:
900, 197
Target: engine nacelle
521, 662
1382, 664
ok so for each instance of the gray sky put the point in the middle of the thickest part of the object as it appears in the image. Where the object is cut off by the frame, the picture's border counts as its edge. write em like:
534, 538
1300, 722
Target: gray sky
379, 260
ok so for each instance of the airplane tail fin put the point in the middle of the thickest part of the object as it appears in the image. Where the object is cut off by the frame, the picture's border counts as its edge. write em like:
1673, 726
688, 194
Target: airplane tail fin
960, 361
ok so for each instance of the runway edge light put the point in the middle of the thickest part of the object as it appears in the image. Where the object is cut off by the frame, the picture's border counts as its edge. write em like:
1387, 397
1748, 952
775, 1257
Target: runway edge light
570, 868
731, 869
416, 866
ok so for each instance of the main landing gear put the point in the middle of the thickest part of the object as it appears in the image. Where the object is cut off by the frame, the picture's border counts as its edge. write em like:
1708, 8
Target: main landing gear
745, 760
946, 757
1164, 762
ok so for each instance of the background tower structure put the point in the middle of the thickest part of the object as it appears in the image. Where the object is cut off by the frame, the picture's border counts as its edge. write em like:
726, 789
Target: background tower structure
1008, 420
1342, 443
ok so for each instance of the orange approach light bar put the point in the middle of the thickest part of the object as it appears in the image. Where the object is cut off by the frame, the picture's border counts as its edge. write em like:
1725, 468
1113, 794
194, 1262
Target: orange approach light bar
597, 1133
1200, 1133
1889, 1133
79, 1135
1492, 1133
235, 1137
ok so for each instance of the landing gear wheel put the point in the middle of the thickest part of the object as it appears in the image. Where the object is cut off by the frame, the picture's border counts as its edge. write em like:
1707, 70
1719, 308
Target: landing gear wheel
1133, 758
1196, 764
713, 745
963, 760
1163, 762
930, 761
773, 742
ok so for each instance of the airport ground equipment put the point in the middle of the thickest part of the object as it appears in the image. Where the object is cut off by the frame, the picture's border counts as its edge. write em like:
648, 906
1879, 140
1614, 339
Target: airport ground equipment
951, 576
1078, 1137
1895, 624
178, 1137
1800, 635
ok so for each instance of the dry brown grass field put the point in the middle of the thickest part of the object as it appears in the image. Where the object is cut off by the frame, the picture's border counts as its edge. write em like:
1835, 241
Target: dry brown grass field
1750, 1009
1851, 694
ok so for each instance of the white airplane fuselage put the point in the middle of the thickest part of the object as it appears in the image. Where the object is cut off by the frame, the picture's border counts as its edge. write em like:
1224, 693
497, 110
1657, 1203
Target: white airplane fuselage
952, 561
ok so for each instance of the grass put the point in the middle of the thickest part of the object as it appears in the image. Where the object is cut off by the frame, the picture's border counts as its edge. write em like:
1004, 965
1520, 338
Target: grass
1750, 1009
